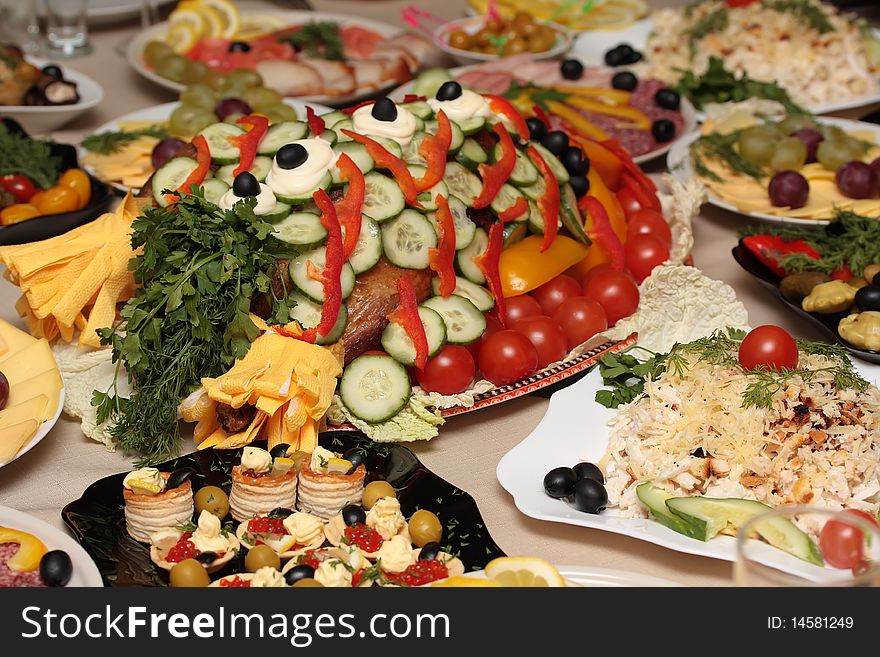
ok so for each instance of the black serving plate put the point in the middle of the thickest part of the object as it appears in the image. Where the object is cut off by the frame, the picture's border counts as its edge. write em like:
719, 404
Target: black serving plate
50, 225
97, 519
828, 323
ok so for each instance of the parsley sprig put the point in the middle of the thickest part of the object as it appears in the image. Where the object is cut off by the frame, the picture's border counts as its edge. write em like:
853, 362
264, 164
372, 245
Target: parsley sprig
318, 39
113, 141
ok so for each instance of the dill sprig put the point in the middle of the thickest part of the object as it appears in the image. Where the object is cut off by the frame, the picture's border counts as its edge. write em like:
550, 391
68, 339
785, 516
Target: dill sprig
113, 141
806, 11
318, 39
33, 158
716, 146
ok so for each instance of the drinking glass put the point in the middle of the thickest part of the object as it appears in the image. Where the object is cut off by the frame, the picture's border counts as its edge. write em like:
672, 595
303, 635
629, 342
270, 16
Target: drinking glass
67, 34
849, 547
18, 24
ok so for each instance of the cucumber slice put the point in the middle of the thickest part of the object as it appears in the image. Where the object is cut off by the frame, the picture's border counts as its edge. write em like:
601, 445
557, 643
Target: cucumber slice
465, 257
477, 295
465, 229
410, 151
471, 125
514, 232
374, 388
332, 118
553, 162
785, 535
507, 196
464, 321
170, 176
399, 345
260, 170
280, 134
329, 136
313, 289
462, 184
214, 190
655, 499
301, 229
407, 239
308, 314
390, 145
276, 214
535, 191
430, 80
428, 198
570, 215
524, 172
471, 154
305, 197
368, 250
419, 109
383, 199
457, 134
346, 124
358, 153
222, 150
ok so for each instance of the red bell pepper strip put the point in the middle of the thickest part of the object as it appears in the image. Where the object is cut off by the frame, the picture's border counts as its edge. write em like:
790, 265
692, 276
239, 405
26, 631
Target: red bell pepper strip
249, 141
435, 149
771, 249
601, 231
412, 98
549, 202
330, 275
197, 177
541, 115
348, 210
315, 122
502, 106
515, 211
488, 262
631, 167
442, 259
646, 198
406, 315
387, 160
842, 273
495, 175
354, 108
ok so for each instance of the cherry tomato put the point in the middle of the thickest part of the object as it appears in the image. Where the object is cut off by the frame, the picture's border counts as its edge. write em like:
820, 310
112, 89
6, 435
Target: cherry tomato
644, 252
492, 326
580, 318
555, 291
546, 335
12, 214
615, 291
605, 267
521, 306
507, 356
864, 515
79, 181
21, 187
842, 544
56, 200
628, 202
650, 222
768, 347
449, 372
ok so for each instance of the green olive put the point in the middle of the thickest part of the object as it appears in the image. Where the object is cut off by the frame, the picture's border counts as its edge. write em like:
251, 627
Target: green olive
213, 500
460, 39
260, 556
424, 528
189, 573
375, 491
309, 582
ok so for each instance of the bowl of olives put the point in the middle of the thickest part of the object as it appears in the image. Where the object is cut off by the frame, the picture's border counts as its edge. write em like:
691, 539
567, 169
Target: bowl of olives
483, 39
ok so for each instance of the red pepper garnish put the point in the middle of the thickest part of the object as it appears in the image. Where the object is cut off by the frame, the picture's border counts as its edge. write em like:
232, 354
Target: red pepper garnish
387, 160
331, 273
549, 202
435, 148
354, 108
348, 210
842, 273
442, 259
487, 263
629, 166
315, 122
541, 115
515, 211
500, 105
249, 141
771, 249
646, 198
495, 175
197, 177
406, 315
601, 231
412, 98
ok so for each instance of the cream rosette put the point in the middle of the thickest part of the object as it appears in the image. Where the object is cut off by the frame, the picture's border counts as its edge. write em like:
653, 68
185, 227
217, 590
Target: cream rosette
384, 517
304, 532
208, 537
146, 513
341, 566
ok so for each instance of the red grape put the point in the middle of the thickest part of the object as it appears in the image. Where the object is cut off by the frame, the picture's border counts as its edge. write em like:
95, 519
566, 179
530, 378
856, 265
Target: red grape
812, 138
789, 189
4, 390
857, 180
229, 106
876, 166
164, 151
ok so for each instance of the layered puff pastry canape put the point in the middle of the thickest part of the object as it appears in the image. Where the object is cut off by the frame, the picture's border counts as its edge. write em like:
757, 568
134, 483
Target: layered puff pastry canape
156, 500
327, 483
261, 484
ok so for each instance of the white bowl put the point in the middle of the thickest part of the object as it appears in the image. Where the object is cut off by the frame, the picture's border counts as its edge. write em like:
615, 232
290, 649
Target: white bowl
40, 119
472, 24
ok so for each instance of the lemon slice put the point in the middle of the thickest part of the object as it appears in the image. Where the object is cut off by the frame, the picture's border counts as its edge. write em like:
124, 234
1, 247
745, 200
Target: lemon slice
524, 572
466, 582
144, 488
181, 37
253, 26
30, 549
338, 465
226, 12
187, 15
281, 466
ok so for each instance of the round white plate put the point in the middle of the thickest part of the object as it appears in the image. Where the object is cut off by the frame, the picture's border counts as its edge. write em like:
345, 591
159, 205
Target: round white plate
100, 12
679, 164
590, 48
160, 113
40, 119
137, 45
575, 429
601, 577
42, 431
85, 572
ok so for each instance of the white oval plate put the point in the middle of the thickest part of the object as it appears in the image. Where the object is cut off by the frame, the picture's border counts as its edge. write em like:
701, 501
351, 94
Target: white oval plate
134, 54
39, 119
160, 113
575, 429
42, 431
85, 572
600, 577
679, 164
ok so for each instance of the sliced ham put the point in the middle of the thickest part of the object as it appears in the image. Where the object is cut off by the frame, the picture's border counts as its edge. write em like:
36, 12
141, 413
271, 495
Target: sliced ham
491, 83
337, 77
368, 73
291, 78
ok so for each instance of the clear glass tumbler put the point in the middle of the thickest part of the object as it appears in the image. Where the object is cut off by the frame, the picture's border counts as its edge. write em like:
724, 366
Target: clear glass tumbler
67, 34
18, 24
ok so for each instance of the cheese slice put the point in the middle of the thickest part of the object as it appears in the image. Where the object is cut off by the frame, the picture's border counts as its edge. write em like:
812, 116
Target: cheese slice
30, 409
13, 339
48, 383
27, 363
14, 437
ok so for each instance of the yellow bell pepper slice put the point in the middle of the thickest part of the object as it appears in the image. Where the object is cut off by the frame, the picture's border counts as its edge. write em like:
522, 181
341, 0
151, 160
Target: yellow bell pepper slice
523, 267
577, 121
633, 116
610, 96
30, 549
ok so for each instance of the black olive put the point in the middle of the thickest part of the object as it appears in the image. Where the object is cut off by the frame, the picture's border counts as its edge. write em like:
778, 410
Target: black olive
572, 159
868, 298
449, 91
625, 81
537, 128
589, 471
430, 552
634, 58
353, 514
667, 98
384, 109
279, 451
663, 130
559, 482
239, 46
699, 452
555, 141
53, 71
56, 568
280, 512
302, 571
580, 185
614, 57
590, 496
571, 69
179, 476
355, 456
245, 184
835, 229
206, 558
290, 156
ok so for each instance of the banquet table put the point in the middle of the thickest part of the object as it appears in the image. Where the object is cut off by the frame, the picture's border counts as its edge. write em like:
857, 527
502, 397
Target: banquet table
469, 446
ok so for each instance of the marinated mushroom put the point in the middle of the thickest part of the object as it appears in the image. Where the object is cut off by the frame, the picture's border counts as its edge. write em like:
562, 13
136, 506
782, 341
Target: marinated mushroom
861, 330
830, 297
795, 287
871, 271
